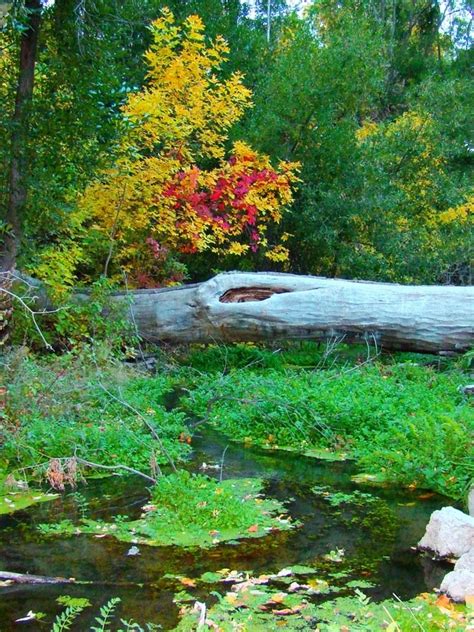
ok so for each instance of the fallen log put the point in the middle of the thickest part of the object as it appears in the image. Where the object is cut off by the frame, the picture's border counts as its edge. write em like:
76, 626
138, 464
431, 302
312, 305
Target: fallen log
25, 578
271, 306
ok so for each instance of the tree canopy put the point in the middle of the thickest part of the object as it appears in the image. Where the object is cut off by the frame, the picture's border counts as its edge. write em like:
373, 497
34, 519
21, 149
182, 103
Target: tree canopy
162, 139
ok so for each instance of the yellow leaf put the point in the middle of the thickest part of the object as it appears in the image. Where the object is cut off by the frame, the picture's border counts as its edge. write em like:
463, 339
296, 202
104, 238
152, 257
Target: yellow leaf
187, 581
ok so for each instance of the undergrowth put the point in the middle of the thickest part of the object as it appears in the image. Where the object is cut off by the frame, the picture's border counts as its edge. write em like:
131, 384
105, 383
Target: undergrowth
191, 510
87, 406
399, 416
402, 417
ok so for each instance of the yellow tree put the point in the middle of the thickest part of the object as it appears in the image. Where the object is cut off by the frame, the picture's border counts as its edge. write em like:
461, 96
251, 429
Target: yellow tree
174, 189
412, 212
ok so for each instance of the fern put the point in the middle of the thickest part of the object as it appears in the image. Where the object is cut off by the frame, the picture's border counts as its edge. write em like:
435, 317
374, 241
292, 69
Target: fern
133, 626
106, 615
64, 621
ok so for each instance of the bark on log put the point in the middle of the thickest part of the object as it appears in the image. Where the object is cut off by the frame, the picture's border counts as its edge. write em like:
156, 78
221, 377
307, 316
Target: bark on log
270, 306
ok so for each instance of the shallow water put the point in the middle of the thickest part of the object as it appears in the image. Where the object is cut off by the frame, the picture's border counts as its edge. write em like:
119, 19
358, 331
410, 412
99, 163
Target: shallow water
379, 552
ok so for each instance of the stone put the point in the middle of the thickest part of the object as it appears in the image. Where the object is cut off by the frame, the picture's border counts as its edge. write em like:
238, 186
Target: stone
133, 550
470, 501
458, 584
450, 533
465, 562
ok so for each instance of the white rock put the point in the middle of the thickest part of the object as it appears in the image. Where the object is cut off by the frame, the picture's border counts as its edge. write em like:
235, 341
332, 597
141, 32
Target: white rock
133, 550
465, 562
458, 584
470, 501
450, 533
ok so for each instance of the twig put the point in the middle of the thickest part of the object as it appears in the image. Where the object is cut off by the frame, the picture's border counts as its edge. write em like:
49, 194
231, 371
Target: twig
113, 231
222, 463
33, 313
201, 608
119, 466
410, 611
391, 618
132, 316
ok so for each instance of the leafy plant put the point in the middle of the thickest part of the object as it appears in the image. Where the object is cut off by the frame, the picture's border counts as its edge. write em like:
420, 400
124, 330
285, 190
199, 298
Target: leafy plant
105, 617
66, 619
399, 419
192, 510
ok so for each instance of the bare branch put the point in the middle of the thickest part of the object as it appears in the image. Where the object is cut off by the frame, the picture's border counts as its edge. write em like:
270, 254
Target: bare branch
112, 468
6, 278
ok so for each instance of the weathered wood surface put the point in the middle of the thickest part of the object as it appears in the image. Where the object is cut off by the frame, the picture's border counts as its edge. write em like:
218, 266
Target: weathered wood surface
270, 306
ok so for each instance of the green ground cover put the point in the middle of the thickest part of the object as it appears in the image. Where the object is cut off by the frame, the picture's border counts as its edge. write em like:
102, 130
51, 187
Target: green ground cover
89, 407
256, 608
403, 418
192, 510
400, 417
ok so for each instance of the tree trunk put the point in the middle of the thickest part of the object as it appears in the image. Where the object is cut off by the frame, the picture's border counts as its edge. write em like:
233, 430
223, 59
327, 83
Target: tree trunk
19, 138
270, 306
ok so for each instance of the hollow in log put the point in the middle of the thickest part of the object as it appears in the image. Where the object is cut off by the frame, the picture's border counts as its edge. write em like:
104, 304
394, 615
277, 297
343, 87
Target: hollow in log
242, 307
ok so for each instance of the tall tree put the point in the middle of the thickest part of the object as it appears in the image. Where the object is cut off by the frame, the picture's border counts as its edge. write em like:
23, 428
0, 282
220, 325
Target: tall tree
17, 193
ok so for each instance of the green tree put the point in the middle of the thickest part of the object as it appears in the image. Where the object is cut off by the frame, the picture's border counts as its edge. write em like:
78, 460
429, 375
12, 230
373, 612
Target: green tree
338, 73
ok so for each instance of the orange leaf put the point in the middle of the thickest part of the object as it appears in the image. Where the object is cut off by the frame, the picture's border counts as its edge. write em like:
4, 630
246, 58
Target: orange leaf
444, 601
187, 581
253, 528
278, 597
288, 611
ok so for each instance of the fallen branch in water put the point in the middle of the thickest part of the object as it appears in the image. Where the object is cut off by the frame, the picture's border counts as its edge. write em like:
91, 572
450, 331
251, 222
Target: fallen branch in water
110, 468
25, 578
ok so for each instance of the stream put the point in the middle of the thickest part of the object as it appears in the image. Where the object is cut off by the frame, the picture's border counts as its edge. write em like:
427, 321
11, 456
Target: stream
380, 552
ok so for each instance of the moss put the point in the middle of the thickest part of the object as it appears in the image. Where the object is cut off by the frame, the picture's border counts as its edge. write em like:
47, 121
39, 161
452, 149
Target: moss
14, 501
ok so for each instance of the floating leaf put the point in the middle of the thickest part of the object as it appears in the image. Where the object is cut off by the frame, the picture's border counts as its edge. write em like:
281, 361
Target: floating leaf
187, 581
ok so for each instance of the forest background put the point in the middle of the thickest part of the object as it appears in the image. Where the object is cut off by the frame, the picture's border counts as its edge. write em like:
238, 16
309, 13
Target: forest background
147, 143
365, 106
